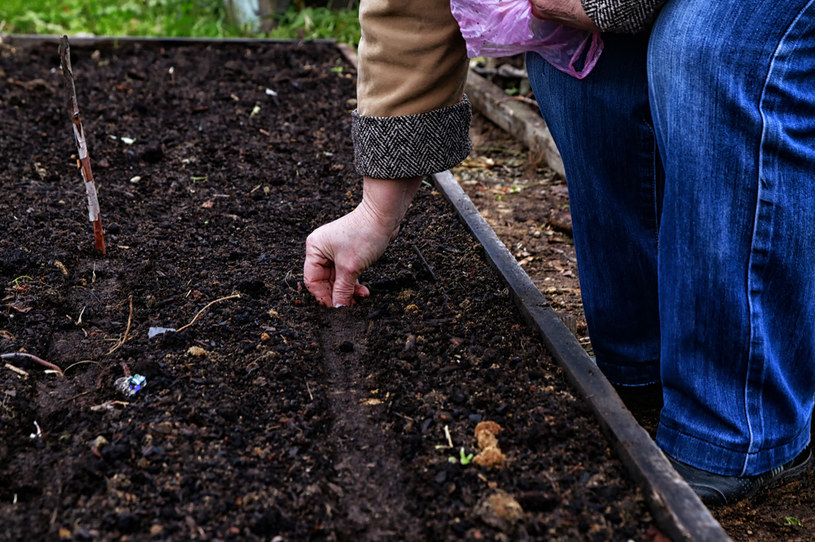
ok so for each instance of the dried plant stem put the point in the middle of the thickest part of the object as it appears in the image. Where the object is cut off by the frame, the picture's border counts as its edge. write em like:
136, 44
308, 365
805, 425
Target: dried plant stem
127, 330
82, 147
34, 358
17, 370
208, 305
83, 362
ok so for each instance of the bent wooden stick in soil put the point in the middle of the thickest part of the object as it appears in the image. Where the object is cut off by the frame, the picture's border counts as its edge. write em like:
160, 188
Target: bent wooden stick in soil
82, 147
32, 357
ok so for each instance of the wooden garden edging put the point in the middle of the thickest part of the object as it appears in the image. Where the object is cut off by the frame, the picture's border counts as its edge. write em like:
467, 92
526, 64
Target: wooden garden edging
677, 509
514, 117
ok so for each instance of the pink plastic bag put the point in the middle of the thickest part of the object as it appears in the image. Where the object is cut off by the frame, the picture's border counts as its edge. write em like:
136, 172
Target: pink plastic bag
496, 28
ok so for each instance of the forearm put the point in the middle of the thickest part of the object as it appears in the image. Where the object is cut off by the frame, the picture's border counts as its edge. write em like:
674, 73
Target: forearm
412, 58
412, 118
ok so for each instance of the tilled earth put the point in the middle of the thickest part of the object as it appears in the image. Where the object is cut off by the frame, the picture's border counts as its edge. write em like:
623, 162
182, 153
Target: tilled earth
263, 416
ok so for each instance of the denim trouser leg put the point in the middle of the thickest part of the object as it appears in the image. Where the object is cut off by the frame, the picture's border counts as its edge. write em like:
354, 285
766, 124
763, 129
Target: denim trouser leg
732, 87
732, 96
602, 126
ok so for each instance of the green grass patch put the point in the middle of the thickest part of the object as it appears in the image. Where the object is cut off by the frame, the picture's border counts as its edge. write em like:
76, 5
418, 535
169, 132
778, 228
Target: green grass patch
205, 18
177, 18
318, 23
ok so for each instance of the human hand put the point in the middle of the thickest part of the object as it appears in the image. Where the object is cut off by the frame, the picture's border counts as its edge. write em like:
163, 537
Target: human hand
337, 253
565, 12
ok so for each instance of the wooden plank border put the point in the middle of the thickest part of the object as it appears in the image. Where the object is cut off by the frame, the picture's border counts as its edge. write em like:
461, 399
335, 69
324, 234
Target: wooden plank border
675, 506
516, 118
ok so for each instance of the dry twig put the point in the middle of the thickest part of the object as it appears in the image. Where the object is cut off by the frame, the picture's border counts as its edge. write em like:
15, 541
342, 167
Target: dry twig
41, 361
83, 362
208, 305
127, 330
17, 370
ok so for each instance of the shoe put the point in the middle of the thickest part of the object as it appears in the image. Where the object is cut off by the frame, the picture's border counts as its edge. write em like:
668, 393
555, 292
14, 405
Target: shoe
718, 490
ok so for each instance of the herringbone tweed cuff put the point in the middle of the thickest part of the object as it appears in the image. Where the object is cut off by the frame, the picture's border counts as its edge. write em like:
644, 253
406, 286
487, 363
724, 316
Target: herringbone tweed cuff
622, 16
412, 145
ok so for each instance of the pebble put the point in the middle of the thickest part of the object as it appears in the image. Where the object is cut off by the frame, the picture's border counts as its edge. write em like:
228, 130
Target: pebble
500, 510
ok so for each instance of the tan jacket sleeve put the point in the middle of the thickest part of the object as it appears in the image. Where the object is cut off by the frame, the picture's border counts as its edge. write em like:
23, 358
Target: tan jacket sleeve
412, 117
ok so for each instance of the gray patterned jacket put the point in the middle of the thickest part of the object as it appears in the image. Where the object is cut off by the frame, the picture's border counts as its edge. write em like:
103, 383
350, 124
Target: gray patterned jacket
412, 117
624, 16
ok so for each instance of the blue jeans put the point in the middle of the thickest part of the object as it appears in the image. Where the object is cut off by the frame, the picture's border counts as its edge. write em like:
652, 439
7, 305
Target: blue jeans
690, 158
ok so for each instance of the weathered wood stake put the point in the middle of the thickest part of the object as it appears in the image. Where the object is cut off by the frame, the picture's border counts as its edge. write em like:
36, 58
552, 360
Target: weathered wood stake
82, 147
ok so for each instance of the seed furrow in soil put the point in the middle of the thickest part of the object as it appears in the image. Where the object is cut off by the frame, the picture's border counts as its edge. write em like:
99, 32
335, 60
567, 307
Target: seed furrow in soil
372, 479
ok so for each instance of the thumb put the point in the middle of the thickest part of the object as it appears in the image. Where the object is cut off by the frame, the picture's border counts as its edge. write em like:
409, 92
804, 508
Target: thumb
345, 285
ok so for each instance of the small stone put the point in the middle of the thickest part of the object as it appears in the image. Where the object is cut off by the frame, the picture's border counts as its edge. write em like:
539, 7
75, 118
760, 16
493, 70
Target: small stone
500, 510
486, 432
99, 443
490, 455
405, 295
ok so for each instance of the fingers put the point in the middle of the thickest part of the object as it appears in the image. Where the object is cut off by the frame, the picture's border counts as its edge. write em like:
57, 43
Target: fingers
361, 291
394, 234
331, 288
318, 272
337, 253
345, 285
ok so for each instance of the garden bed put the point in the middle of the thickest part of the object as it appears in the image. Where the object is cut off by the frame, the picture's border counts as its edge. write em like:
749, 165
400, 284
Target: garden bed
267, 416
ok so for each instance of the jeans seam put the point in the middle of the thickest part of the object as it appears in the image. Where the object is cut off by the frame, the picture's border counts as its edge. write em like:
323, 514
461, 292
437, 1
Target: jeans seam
654, 191
761, 188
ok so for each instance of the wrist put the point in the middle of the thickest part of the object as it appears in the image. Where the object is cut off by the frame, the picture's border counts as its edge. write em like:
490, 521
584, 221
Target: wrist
568, 13
387, 200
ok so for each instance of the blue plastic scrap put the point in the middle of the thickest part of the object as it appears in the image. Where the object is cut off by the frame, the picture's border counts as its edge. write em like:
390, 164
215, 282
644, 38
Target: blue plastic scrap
136, 382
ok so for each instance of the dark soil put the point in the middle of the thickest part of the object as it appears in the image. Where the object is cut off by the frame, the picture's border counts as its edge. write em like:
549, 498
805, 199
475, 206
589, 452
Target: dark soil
267, 418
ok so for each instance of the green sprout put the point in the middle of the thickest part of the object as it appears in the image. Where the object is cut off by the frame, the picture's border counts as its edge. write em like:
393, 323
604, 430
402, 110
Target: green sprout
21, 278
464, 458
791, 521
